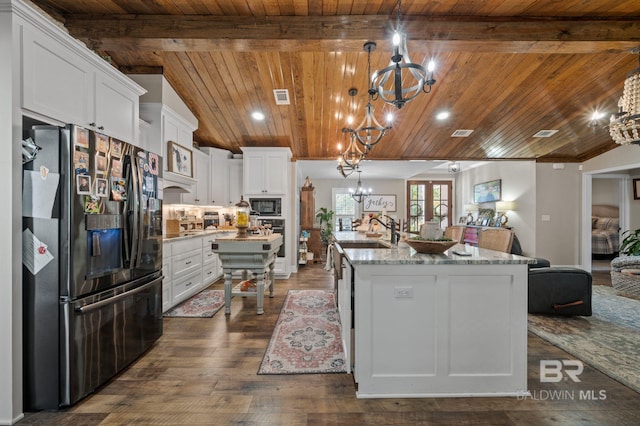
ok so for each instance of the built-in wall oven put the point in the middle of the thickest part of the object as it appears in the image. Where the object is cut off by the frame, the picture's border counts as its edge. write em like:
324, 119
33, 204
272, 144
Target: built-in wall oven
278, 228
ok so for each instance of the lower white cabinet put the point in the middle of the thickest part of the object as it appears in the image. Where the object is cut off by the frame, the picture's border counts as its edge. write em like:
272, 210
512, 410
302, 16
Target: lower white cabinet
167, 281
189, 265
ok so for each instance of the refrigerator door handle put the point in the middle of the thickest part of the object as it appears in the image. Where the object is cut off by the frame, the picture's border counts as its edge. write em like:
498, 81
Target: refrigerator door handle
135, 239
92, 307
141, 212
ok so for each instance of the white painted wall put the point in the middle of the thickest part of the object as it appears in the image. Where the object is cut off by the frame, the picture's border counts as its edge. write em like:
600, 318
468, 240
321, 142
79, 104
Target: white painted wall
322, 193
518, 185
558, 198
605, 191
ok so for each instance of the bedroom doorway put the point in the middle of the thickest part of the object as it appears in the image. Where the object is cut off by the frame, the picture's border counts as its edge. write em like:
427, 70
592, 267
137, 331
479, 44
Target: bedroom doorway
607, 203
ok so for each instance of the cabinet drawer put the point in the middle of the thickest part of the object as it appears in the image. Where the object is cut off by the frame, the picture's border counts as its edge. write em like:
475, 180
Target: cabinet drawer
208, 257
185, 263
186, 286
210, 274
207, 241
187, 245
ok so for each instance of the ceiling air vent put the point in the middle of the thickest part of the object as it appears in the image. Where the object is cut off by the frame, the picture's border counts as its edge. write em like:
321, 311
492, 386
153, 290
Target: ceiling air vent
461, 133
545, 133
282, 96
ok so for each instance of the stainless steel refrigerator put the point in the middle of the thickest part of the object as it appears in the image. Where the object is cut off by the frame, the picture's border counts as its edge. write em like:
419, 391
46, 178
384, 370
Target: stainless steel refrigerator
92, 261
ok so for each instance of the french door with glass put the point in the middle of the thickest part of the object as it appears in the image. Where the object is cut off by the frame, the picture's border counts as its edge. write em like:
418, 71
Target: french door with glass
428, 201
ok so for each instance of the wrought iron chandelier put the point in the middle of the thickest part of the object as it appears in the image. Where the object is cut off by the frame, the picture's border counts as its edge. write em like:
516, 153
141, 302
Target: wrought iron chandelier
369, 132
359, 194
387, 82
351, 156
624, 126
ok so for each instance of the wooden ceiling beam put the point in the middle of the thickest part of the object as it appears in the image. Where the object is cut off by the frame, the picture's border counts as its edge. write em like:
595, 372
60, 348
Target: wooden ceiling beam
348, 33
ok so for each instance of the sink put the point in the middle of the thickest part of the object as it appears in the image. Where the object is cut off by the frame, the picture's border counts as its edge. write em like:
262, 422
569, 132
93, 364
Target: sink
365, 245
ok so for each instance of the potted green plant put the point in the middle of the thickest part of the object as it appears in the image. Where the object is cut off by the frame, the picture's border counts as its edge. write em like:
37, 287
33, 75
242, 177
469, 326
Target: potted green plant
325, 218
630, 245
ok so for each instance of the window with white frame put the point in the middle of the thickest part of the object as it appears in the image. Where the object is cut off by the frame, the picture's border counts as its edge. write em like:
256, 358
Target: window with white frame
345, 208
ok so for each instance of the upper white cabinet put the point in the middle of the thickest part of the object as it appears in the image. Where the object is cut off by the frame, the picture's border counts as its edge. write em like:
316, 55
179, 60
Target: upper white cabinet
266, 170
67, 82
218, 176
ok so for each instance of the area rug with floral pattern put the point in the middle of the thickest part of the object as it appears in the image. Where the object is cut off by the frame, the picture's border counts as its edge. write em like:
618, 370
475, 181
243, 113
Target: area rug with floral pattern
306, 338
609, 340
203, 305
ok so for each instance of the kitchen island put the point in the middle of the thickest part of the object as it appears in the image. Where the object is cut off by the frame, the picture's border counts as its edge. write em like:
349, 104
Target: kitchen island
432, 325
255, 254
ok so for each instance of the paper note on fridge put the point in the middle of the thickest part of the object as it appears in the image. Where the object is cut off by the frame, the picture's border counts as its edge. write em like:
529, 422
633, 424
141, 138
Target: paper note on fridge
45, 185
35, 254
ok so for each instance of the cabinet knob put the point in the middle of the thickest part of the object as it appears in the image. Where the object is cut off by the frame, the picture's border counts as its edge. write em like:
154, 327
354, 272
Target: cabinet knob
100, 127
92, 124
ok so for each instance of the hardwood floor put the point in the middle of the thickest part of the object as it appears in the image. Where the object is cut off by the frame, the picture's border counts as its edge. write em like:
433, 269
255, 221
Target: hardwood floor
203, 372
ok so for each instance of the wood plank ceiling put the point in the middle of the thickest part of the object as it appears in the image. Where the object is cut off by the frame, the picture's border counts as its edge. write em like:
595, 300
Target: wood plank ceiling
505, 69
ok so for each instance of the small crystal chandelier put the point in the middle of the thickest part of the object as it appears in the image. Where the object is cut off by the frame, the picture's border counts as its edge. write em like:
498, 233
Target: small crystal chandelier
369, 132
454, 167
359, 194
387, 82
624, 126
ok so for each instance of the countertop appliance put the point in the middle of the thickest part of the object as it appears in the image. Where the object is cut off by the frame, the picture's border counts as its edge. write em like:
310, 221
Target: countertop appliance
266, 206
92, 262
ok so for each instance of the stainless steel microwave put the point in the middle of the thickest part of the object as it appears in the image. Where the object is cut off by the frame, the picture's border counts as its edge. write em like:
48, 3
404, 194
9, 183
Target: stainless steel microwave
266, 206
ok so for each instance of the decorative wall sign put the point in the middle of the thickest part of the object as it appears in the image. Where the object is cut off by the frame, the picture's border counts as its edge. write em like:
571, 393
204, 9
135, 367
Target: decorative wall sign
180, 159
377, 203
487, 191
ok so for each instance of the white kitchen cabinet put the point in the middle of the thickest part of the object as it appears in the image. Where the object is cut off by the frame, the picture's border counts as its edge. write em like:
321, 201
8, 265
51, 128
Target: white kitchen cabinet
186, 268
218, 176
210, 261
266, 170
235, 179
63, 81
200, 192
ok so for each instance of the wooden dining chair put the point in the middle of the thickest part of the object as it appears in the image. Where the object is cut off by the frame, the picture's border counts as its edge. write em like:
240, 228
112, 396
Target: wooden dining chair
455, 232
498, 239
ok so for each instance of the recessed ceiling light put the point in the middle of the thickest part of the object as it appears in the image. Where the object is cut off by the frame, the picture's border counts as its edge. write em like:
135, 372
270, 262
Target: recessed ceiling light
443, 115
597, 115
545, 133
257, 115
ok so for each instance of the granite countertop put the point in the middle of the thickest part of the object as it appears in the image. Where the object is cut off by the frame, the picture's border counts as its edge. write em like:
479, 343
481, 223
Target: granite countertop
403, 254
194, 234
251, 238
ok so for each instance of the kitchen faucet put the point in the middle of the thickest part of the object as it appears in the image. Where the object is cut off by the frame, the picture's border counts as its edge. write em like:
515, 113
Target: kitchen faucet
395, 235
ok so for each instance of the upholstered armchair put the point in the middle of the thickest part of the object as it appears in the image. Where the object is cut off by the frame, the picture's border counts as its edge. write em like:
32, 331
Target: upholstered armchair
559, 290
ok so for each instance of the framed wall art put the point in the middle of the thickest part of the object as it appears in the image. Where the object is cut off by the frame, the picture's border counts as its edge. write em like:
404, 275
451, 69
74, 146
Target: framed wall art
487, 191
377, 203
180, 159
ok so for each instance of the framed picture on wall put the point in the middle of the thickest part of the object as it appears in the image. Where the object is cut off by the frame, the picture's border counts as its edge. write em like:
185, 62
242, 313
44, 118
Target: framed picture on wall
180, 159
487, 191
636, 189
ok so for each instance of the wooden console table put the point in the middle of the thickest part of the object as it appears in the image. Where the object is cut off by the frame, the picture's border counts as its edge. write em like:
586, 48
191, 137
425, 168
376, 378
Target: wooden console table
255, 254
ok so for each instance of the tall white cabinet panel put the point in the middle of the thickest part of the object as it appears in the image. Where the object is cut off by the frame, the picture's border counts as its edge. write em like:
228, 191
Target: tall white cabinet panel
266, 171
200, 193
235, 180
55, 80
